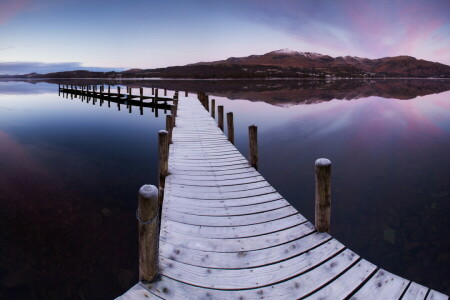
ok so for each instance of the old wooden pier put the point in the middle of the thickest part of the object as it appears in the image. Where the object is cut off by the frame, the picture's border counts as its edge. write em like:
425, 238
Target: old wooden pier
107, 95
224, 232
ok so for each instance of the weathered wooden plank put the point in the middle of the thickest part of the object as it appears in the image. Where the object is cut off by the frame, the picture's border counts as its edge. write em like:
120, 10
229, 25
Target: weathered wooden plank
247, 173
435, 295
203, 191
292, 288
383, 285
345, 284
232, 232
225, 195
243, 259
138, 292
230, 220
256, 199
249, 278
236, 245
176, 180
240, 210
415, 291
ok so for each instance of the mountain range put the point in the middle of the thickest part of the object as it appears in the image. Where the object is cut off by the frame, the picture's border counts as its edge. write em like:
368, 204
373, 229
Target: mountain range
282, 63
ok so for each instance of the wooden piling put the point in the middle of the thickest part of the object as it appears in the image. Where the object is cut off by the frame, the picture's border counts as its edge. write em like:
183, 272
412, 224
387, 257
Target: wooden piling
213, 108
109, 90
186, 93
163, 167
165, 92
156, 94
148, 226
323, 195
169, 126
220, 116
118, 92
173, 110
253, 145
207, 103
230, 125
153, 90
141, 93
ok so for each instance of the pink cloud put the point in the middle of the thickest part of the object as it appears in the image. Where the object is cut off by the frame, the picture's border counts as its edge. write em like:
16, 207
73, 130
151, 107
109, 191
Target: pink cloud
10, 8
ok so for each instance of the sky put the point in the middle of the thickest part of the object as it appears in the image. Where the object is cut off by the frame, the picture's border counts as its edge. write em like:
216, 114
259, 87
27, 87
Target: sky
56, 35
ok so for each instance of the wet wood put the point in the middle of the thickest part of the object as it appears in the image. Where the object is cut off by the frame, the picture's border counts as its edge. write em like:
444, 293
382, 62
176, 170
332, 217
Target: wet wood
323, 195
253, 146
220, 116
163, 156
213, 108
230, 125
148, 225
169, 126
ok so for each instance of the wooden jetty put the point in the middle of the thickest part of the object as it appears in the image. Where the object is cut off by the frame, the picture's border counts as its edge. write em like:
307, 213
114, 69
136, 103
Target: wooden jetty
99, 93
225, 232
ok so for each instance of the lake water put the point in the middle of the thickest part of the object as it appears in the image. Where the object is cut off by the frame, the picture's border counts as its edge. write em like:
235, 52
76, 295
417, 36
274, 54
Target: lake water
70, 172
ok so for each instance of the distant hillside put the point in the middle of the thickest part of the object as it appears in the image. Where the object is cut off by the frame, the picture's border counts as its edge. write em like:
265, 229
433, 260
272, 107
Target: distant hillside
280, 64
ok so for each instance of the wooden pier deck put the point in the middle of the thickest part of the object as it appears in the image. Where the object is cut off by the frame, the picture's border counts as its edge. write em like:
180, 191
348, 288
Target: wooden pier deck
227, 234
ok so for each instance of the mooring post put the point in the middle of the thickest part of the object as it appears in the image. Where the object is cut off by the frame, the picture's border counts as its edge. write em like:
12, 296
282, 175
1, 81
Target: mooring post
207, 102
163, 168
59, 90
156, 94
230, 125
220, 116
169, 126
165, 92
186, 93
253, 145
173, 110
148, 226
213, 108
153, 90
109, 90
141, 92
118, 92
323, 195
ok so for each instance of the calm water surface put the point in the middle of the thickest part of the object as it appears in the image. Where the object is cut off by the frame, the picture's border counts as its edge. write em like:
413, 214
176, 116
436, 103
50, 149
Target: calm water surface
70, 171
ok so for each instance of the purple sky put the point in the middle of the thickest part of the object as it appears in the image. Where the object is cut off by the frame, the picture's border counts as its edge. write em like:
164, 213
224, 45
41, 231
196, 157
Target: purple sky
54, 34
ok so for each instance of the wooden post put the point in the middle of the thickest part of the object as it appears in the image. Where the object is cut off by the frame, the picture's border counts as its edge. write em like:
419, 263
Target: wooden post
153, 90
169, 126
148, 227
207, 103
253, 144
109, 90
163, 167
141, 91
230, 125
118, 92
173, 110
186, 93
213, 108
165, 92
323, 195
220, 116
59, 90
156, 94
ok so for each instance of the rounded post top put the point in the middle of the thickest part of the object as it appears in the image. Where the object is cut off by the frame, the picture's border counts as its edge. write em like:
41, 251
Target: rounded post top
321, 162
148, 191
163, 132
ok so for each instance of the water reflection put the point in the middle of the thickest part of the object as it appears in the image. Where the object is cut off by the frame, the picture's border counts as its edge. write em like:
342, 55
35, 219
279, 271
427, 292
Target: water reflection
285, 92
70, 173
